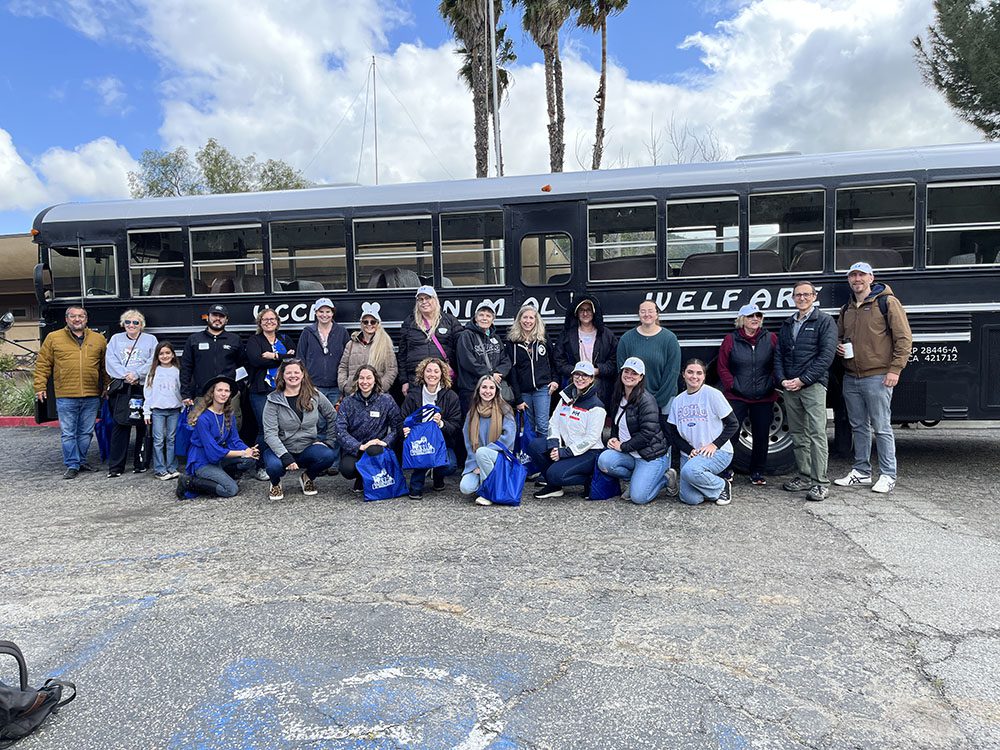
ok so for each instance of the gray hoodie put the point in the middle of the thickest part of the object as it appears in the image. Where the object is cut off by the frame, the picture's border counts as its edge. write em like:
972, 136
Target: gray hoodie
285, 433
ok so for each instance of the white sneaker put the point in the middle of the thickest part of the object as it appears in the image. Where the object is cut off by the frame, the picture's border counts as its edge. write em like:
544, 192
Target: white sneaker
853, 479
672, 485
261, 476
885, 484
483, 501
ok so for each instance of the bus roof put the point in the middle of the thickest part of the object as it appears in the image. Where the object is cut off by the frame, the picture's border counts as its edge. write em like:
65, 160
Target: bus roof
775, 168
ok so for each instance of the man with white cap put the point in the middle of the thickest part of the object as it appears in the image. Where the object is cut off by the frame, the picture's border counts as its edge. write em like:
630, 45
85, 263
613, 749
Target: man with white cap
875, 345
320, 347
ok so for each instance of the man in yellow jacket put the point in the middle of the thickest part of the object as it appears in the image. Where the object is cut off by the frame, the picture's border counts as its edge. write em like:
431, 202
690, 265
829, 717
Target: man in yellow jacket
74, 357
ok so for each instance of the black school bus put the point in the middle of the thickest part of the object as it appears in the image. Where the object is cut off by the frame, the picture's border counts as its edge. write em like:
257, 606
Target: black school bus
700, 240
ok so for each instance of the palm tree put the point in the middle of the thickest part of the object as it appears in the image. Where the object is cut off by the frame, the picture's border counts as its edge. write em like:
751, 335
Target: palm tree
593, 15
542, 20
468, 22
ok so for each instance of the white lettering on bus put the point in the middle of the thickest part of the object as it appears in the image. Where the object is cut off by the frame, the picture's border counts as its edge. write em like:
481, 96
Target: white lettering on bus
299, 313
761, 298
689, 301
684, 302
544, 307
730, 296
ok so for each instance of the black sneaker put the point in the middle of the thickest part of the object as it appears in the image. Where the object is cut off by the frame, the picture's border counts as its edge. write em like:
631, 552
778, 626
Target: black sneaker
70, 473
114, 473
416, 495
439, 484
139, 470
758, 479
818, 493
797, 484
86, 467
358, 485
726, 496
182, 486
549, 490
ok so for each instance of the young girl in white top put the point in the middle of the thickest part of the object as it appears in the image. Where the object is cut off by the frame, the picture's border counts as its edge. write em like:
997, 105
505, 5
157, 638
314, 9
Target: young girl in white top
162, 408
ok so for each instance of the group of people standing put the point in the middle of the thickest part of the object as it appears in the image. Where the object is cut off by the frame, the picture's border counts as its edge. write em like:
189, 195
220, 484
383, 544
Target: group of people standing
321, 402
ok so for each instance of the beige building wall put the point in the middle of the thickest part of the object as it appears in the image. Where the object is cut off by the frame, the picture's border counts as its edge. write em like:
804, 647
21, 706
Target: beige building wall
18, 256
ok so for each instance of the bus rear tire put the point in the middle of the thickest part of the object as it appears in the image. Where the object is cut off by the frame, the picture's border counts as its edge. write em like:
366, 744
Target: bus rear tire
780, 457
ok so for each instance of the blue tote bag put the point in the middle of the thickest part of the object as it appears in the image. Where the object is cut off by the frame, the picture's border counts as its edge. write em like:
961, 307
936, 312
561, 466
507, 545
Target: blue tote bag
381, 476
505, 483
183, 436
525, 434
424, 447
603, 487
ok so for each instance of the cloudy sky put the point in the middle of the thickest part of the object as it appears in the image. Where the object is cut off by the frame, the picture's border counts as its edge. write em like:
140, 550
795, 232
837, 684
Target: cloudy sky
87, 85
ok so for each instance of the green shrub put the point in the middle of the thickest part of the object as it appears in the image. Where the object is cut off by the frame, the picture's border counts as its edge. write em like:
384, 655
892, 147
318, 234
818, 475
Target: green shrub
17, 397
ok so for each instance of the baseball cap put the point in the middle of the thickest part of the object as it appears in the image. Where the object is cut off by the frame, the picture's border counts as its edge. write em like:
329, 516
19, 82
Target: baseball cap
635, 364
218, 310
323, 302
860, 266
428, 290
486, 305
749, 309
585, 367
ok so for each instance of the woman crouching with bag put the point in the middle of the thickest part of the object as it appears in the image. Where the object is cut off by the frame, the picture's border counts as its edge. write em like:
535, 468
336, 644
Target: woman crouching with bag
216, 455
638, 452
490, 420
567, 456
291, 430
368, 420
432, 387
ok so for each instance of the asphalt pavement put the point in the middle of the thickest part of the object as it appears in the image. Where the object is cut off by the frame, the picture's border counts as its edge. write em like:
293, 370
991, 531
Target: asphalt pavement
326, 622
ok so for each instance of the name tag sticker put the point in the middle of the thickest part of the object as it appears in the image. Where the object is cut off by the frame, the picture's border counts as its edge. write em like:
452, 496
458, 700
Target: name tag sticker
374, 414
442, 330
203, 345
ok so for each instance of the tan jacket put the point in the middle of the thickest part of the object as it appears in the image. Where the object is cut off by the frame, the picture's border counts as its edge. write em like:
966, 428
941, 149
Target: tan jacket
355, 355
77, 369
876, 349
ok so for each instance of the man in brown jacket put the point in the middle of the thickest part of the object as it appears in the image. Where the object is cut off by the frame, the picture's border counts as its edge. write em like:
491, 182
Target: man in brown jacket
875, 344
74, 357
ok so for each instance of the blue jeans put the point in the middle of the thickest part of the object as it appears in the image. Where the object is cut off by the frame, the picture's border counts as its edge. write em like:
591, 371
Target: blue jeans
257, 401
566, 472
314, 460
164, 426
538, 409
647, 477
868, 408
486, 459
700, 480
419, 476
223, 474
76, 426
333, 394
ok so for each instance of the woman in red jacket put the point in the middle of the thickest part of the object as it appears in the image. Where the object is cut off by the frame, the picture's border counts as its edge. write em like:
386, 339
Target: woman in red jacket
746, 371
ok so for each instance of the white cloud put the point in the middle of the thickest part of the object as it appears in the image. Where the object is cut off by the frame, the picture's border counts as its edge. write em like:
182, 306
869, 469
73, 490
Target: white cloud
112, 93
812, 76
94, 170
20, 188
97, 169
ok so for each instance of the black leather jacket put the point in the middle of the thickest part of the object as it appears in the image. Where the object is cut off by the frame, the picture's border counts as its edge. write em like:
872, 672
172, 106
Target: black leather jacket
642, 416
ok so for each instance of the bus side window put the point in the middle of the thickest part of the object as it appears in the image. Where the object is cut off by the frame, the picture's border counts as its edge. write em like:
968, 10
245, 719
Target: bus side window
83, 271
621, 242
875, 225
703, 236
393, 252
963, 224
546, 258
223, 258
788, 226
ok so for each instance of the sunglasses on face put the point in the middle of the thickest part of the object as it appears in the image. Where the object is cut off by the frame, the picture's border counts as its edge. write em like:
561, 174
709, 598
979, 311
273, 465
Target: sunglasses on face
132, 322
756, 315
369, 322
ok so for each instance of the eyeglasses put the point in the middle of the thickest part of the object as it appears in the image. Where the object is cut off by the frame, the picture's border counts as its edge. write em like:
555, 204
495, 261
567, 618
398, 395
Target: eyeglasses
132, 322
268, 320
804, 295
581, 375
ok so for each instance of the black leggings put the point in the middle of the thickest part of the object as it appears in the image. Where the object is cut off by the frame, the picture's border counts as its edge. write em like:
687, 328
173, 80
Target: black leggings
760, 428
348, 461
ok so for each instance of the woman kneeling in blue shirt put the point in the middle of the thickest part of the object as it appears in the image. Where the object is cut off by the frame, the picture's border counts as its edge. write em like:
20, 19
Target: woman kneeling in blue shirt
216, 455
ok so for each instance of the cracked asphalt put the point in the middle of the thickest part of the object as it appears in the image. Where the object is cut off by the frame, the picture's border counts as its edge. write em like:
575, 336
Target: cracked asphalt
325, 622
